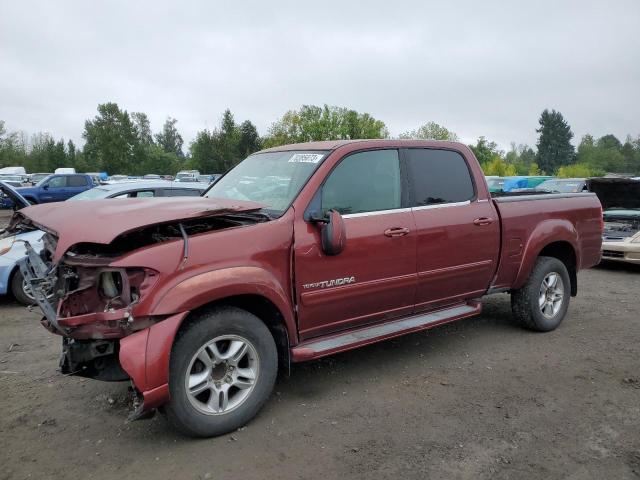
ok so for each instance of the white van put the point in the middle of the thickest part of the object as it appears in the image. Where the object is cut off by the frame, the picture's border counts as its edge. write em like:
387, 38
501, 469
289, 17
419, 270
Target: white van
64, 170
13, 171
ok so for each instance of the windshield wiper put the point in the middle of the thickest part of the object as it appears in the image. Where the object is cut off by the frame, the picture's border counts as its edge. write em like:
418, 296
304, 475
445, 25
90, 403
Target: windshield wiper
258, 216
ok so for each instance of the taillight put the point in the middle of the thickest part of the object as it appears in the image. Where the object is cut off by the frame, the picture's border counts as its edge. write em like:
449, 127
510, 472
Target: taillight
601, 221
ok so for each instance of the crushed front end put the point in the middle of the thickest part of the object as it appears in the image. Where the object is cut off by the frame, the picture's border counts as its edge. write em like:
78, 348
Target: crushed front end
90, 304
99, 288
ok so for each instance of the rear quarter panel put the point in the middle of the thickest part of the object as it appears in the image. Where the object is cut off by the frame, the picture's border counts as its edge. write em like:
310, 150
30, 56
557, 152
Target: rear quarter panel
530, 224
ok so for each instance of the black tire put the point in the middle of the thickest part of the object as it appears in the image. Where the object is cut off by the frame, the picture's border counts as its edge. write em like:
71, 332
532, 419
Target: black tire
17, 282
525, 302
222, 321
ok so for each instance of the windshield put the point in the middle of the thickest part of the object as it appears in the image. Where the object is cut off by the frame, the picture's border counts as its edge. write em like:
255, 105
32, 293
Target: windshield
273, 179
36, 177
92, 194
569, 186
43, 181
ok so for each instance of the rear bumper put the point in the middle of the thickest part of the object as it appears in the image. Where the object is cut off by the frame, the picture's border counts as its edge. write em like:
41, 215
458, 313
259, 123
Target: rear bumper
621, 252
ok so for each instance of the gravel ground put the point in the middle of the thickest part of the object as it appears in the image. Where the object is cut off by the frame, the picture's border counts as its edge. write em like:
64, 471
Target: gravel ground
480, 398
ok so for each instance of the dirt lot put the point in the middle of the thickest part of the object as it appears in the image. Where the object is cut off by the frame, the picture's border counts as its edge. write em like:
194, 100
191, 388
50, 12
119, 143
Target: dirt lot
477, 399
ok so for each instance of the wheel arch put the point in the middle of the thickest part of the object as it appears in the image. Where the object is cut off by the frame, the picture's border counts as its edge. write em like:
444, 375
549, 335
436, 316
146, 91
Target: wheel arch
552, 238
263, 308
564, 252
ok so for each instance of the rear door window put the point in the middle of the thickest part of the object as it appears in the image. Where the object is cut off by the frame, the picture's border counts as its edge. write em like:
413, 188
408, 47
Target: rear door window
364, 182
143, 194
77, 181
181, 192
438, 177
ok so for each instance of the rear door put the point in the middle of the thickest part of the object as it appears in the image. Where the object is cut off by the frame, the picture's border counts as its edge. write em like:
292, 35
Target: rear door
458, 233
373, 278
75, 185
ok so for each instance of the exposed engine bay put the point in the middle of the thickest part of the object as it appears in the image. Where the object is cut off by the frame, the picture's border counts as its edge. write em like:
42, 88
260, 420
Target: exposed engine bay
84, 283
617, 227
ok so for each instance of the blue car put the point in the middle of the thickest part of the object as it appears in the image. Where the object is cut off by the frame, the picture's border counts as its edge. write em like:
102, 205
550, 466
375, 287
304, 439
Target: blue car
12, 249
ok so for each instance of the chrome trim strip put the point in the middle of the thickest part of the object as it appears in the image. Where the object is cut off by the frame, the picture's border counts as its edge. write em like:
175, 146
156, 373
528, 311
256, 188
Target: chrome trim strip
386, 329
441, 205
379, 212
540, 196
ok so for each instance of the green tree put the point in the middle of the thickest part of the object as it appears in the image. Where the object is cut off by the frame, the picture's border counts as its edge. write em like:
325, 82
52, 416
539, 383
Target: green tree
603, 155
228, 141
610, 142
218, 150
497, 166
578, 170
203, 153
313, 123
110, 140
523, 158
250, 141
485, 151
431, 131
554, 143
142, 127
169, 139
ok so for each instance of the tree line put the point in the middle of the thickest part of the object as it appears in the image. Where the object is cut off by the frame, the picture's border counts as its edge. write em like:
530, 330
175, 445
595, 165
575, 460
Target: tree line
116, 141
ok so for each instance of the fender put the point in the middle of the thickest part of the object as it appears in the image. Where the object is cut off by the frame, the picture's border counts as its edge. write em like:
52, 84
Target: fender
196, 291
145, 356
545, 233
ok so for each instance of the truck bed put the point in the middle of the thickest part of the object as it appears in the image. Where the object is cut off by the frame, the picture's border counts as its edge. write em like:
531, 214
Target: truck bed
527, 219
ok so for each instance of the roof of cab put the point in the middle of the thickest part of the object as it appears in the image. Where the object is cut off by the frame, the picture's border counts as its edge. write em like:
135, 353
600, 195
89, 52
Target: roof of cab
366, 143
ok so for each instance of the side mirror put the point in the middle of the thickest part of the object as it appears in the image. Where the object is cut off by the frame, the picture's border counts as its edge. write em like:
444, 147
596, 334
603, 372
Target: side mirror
45, 186
332, 233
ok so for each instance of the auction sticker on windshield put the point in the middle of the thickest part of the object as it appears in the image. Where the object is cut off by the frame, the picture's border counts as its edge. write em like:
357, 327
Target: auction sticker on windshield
306, 158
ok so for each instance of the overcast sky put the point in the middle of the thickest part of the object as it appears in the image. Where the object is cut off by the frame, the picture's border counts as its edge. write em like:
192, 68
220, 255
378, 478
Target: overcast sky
477, 67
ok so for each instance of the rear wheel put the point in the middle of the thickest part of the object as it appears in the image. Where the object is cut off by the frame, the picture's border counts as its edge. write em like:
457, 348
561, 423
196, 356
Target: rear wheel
222, 370
542, 303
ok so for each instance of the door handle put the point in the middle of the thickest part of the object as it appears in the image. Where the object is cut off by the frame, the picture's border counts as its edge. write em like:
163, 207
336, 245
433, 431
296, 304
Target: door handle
483, 221
396, 232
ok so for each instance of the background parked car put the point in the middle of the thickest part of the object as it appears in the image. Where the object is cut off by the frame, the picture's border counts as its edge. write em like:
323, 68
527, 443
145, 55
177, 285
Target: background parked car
512, 183
12, 249
563, 185
495, 184
620, 199
142, 189
57, 188
187, 176
13, 180
208, 178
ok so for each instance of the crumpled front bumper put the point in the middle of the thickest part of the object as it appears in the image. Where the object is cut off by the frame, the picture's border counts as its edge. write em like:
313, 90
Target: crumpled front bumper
108, 345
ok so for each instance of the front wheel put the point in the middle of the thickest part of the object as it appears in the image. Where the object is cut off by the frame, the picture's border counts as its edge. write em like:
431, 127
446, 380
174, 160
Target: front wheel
222, 370
21, 290
542, 303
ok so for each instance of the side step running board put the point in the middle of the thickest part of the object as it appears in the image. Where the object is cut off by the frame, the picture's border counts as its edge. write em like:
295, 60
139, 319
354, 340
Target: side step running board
327, 345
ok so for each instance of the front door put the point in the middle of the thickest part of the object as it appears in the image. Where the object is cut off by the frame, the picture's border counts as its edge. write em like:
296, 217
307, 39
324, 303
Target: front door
373, 278
458, 233
54, 190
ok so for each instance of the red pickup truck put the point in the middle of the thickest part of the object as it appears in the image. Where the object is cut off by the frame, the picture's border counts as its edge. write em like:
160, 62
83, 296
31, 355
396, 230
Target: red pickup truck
298, 252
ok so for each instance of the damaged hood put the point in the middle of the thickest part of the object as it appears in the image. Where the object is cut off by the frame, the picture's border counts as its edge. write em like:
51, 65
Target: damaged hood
101, 221
619, 193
